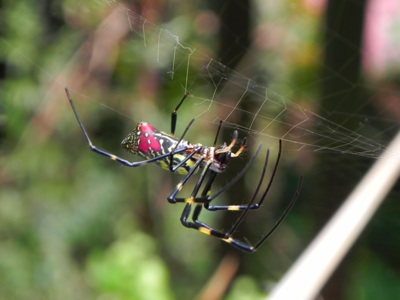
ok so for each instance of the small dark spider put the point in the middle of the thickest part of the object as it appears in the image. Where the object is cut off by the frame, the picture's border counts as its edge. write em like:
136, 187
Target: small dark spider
180, 156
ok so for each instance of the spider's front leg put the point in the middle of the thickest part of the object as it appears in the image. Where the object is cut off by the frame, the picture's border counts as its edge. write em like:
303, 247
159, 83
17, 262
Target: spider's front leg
110, 155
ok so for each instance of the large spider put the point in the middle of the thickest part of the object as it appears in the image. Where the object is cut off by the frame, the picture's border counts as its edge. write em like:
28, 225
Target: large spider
180, 156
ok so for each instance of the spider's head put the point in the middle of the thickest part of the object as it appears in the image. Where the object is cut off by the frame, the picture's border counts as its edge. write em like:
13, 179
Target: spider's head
221, 159
223, 154
130, 142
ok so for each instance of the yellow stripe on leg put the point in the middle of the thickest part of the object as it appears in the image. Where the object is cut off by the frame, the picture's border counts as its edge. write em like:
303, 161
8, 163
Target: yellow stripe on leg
228, 240
205, 230
189, 200
234, 207
179, 186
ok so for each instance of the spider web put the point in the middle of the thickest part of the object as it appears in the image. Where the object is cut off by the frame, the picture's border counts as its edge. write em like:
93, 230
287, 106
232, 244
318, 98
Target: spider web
217, 92
263, 111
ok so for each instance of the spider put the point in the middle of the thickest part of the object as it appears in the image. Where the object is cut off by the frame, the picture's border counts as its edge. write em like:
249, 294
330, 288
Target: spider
182, 157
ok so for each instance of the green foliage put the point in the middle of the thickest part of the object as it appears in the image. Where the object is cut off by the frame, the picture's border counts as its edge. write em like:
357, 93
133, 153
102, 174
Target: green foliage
245, 288
129, 269
372, 278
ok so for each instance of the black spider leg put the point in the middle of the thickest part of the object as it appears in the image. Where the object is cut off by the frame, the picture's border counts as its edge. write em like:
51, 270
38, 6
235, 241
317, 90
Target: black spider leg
112, 156
218, 131
198, 208
249, 248
282, 217
251, 204
207, 191
186, 211
174, 114
227, 237
174, 118
188, 156
203, 228
195, 149
207, 198
257, 205
171, 198
190, 200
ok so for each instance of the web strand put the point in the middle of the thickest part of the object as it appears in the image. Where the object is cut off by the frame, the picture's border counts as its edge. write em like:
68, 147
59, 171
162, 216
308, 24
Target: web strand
217, 93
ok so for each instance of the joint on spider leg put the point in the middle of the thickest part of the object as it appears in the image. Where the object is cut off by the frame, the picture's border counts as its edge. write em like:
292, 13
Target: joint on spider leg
185, 215
189, 200
240, 245
171, 197
206, 202
171, 200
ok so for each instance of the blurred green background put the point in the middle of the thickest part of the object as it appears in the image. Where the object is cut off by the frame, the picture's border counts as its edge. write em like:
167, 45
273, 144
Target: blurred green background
74, 225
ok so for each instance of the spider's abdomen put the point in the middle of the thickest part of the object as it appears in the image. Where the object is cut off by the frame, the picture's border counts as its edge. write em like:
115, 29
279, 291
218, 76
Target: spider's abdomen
147, 142
183, 169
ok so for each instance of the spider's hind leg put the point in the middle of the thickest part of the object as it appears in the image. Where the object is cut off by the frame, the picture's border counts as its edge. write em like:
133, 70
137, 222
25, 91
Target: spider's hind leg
203, 228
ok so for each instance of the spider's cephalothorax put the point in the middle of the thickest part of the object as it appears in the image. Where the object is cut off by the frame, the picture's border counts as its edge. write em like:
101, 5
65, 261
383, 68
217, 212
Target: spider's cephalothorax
180, 156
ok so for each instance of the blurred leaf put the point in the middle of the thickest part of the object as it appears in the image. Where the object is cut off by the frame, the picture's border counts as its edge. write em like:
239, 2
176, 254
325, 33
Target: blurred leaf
245, 288
130, 269
373, 279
